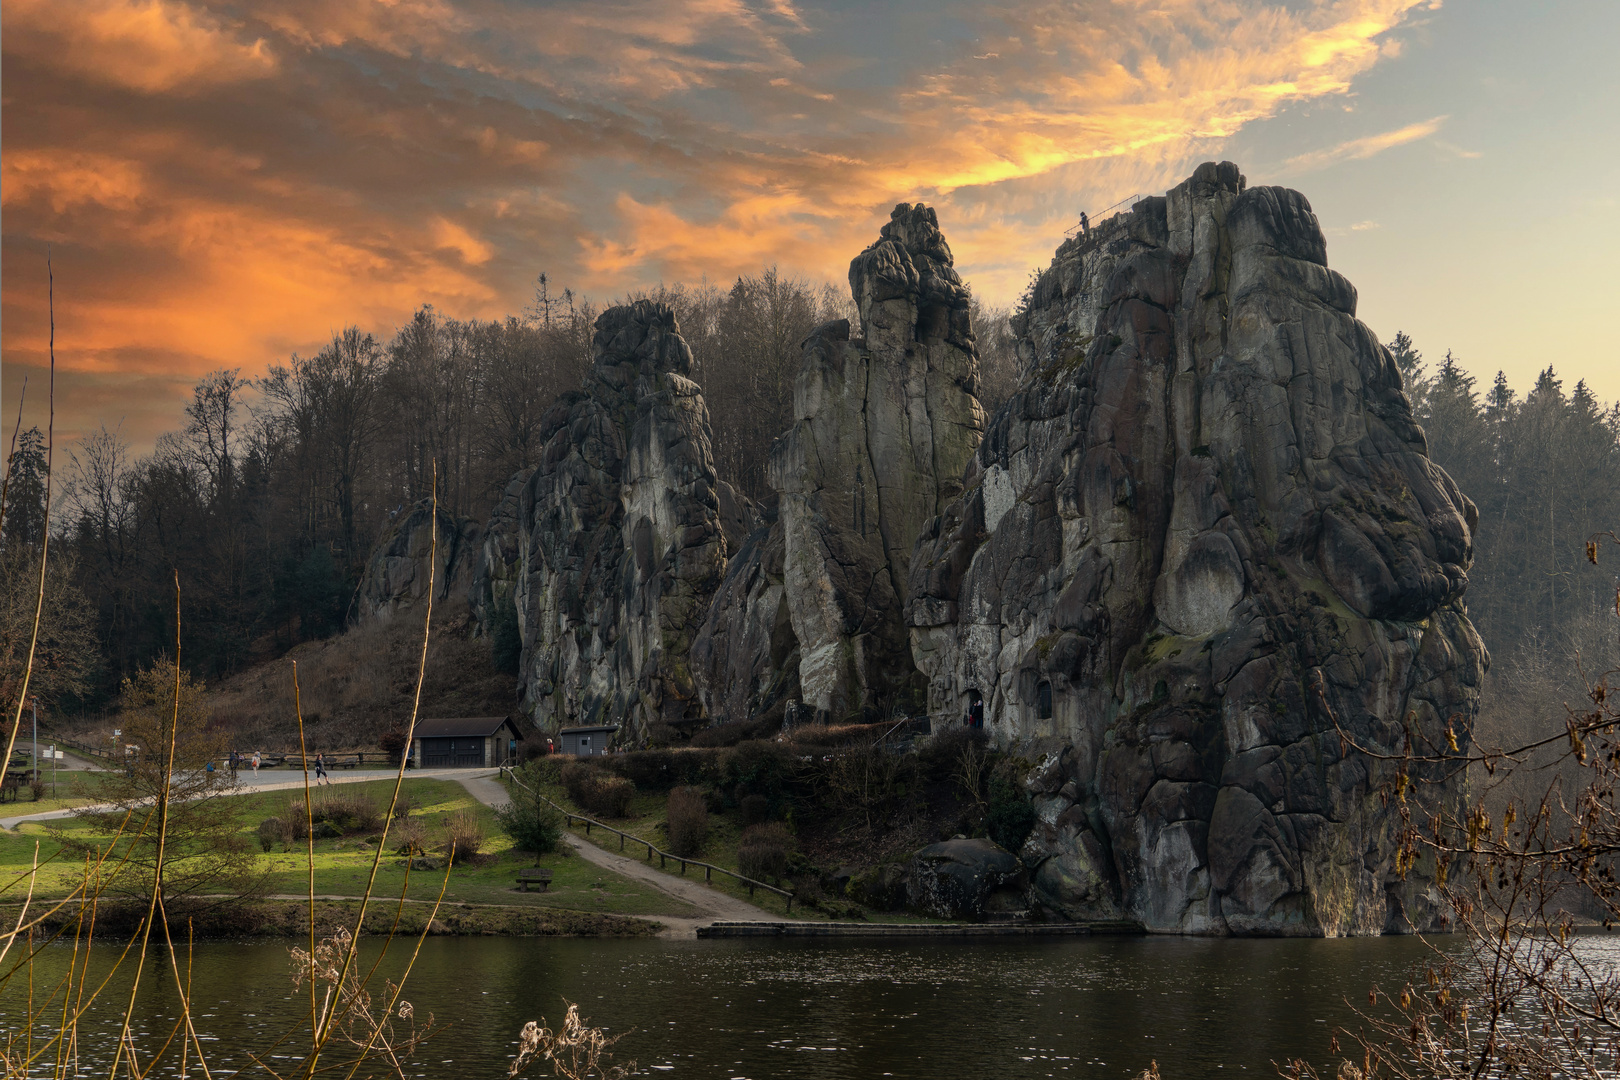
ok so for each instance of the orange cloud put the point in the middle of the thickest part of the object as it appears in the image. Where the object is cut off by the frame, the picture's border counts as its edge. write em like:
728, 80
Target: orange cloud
226, 182
153, 46
1365, 147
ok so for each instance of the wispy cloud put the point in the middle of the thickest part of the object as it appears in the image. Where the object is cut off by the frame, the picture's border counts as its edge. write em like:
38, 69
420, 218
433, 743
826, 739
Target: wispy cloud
1364, 147
227, 181
1456, 151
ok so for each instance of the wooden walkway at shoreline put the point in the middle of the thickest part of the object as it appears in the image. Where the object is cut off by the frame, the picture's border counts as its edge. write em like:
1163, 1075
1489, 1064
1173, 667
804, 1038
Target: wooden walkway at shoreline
915, 930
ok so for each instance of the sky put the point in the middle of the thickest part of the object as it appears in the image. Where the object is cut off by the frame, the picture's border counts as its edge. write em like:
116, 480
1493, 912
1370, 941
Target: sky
221, 185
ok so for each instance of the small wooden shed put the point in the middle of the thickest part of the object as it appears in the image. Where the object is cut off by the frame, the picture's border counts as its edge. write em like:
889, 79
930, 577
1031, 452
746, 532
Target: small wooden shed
465, 742
585, 741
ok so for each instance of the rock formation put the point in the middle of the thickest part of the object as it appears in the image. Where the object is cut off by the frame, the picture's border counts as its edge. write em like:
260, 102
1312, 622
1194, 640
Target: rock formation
883, 426
745, 655
619, 535
499, 563
397, 574
965, 879
1204, 532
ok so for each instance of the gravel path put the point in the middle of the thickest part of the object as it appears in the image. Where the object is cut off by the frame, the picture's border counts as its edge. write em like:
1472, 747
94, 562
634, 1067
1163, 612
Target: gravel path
483, 786
714, 904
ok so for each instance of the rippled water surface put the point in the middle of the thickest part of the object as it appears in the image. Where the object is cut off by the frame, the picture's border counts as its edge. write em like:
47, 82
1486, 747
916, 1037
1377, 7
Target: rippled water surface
1101, 1007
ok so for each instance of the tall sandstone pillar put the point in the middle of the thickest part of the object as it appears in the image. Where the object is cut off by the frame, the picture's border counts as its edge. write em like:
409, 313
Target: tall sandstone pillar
1202, 541
885, 419
620, 535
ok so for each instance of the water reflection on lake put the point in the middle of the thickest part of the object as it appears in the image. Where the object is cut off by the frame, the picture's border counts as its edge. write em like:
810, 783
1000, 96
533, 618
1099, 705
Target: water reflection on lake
1100, 1007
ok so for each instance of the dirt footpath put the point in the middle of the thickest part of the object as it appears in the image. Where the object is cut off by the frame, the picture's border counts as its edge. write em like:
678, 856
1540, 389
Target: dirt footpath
714, 904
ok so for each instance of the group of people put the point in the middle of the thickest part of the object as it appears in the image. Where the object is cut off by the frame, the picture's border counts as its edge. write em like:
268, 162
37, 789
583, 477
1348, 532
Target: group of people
237, 760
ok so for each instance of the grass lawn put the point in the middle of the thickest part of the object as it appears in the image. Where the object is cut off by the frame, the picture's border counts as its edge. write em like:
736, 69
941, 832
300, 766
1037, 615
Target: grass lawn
73, 788
648, 819
342, 866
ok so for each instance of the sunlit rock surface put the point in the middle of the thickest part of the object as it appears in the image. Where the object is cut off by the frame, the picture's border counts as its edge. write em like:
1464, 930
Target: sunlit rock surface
1206, 527
885, 419
619, 534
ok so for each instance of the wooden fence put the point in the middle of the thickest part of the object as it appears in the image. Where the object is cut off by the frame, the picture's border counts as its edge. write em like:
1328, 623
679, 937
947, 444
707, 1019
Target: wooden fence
664, 857
83, 748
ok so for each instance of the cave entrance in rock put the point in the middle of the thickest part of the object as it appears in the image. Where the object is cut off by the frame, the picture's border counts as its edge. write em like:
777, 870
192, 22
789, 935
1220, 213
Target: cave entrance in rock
975, 709
1043, 701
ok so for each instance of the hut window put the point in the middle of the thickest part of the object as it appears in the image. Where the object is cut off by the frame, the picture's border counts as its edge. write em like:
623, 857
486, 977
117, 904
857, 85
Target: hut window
1043, 701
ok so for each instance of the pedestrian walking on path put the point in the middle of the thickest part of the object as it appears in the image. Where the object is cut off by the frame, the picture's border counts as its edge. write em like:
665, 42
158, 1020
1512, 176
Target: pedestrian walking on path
255, 764
320, 768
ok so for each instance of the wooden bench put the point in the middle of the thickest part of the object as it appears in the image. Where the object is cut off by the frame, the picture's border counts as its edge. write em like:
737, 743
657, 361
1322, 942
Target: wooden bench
525, 878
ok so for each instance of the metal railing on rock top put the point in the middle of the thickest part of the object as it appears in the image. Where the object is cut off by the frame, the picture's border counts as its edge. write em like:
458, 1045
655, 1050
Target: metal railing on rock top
1127, 201
664, 857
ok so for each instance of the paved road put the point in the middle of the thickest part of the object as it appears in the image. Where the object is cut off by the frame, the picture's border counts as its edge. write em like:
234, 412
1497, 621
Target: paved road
281, 780
711, 903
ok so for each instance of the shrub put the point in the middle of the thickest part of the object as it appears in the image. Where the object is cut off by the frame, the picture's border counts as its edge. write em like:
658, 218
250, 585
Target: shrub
758, 768
597, 790
410, 836
764, 850
37, 787
612, 795
755, 809
295, 822
348, 811
463, 836
577, 778
328, 830
688, 820
1010, 816
866, 780
269, 833
652, 769
728, 734
533, 825
940, 756
401, 807
532, 747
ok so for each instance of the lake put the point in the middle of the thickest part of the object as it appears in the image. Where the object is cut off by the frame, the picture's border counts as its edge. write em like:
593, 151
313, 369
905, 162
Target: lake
1098, 1007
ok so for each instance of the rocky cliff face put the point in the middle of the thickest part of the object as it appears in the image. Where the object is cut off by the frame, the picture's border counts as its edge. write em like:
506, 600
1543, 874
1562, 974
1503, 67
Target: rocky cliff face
1204, 531
883, 425
619, 534
396, 577
499, 562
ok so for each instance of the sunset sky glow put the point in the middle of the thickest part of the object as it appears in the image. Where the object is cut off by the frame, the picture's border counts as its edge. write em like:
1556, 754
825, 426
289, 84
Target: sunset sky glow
223, 184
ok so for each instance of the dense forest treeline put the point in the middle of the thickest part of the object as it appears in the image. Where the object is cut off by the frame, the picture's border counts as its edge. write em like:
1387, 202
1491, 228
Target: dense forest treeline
1544, 471
269, 498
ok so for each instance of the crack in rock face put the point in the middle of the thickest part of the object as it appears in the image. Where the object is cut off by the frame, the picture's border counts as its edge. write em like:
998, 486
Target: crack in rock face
1205, 530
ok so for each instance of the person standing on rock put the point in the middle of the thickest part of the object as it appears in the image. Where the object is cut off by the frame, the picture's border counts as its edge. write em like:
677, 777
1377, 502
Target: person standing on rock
1085, 224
